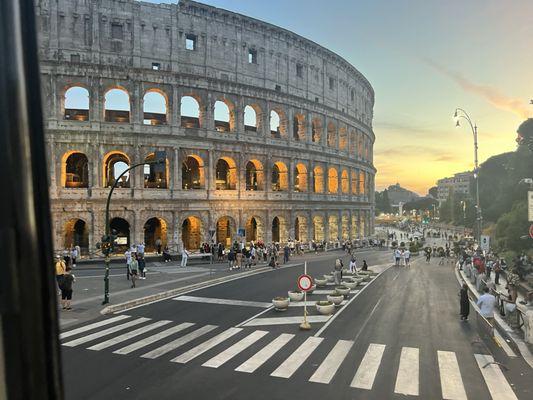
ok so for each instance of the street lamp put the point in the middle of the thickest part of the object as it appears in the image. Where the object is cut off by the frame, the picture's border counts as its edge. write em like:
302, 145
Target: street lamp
460, 113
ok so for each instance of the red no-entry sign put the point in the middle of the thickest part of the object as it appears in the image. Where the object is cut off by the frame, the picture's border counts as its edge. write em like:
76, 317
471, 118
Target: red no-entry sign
305, 282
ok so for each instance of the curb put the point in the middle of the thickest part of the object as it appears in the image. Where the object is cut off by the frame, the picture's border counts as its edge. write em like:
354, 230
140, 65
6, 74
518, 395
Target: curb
502, 325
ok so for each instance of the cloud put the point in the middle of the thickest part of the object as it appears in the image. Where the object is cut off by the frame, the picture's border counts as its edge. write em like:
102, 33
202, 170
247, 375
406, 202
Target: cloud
490, 94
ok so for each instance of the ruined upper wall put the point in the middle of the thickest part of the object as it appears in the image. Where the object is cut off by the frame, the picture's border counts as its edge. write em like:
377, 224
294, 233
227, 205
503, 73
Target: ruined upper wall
133, 34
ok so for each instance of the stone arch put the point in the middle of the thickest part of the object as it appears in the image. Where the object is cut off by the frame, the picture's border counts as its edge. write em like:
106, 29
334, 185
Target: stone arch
74, 170
354, 181
300, 229
252, 118
224, 115
343, 138
192, 173
117, 105
318, 179
360, 145
191, 111
225, 230
362, 183
76, 233
332, 134
155, 107
279, 230
121, 229
345, 226
154, 178
353, 142
345, 182
226, 174
192, 232
280, 177
76, 103
254, 229
318, 228
155, 228
333, 227
278, 123
354, 227
333, 180
255, 177
115, 162
298, 127
316, 130
300, 178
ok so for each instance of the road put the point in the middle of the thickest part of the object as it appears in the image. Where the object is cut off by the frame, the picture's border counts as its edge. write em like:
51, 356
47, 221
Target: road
397, 336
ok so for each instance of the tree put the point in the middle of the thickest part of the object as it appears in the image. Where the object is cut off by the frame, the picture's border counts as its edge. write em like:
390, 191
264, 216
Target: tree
511, 227
382, 202
433, 192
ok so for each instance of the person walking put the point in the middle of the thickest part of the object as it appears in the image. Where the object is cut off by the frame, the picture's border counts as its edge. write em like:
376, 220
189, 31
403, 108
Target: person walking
397, 257
407, 258
497, 270
464, 302
73, 256
365, 266
142, 265
184, 257
60, 267
286, 251
158, 245
134, 270
238, 258
231, 258
66, 289
428, 254
353, 265
140, 249
486, 303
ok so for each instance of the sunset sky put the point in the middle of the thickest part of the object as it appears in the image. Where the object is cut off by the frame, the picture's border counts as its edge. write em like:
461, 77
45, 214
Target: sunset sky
424, 58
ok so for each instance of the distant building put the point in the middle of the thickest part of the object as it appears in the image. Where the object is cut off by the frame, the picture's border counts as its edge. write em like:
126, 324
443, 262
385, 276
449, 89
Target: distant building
458, 184
398, 194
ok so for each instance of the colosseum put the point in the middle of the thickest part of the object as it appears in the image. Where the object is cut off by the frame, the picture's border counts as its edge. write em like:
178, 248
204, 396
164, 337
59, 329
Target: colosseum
266, 135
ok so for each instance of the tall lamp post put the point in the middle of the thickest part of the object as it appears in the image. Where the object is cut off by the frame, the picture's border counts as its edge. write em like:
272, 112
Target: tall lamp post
458, 115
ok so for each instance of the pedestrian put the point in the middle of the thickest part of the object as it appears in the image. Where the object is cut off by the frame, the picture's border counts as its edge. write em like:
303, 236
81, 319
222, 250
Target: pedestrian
497, 270
128, 257
66, 289
73, 256
158, 245
428, 254
134, 270
238, 258
353, 265
365, 266
286, 251
231, 258
272, 263
60, 267
166, 255
464, 302
184, 257
142, 265
486, 303
140, 249
397, 257
407, 258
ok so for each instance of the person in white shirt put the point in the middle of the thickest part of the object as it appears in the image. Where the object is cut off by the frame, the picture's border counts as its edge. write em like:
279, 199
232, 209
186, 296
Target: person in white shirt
353, 265
140, 249
397, 257
407, 258
486, 303
184, 257
127, 256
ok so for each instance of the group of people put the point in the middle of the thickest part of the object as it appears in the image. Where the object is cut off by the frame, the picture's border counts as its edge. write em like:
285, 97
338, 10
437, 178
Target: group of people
70, 255
65, 280
135, 263
402, 257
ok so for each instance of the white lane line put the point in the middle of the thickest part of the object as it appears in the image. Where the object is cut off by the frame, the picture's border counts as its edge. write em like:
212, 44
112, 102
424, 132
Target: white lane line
205, 346
128, 335
179, 342
366, 373
309, 303
286, 320
327, 370
232, 351
450, 376
254, 317
92, 326
227, 302
320, 291
504, 345
265, 353
108, 331
407, 380
152, 339
297, 358
498, 386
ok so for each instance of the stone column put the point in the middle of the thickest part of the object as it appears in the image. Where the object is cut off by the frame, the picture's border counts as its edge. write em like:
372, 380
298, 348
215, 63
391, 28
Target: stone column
209, 118
175, 113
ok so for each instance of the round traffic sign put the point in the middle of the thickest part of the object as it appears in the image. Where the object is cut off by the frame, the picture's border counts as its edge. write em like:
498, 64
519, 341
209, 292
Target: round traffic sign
531, 231
305, 282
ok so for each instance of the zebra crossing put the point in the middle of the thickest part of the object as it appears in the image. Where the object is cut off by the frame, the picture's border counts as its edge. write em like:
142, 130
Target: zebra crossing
149, 339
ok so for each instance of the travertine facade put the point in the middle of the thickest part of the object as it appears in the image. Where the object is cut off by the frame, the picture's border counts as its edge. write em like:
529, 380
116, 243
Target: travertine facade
308, 176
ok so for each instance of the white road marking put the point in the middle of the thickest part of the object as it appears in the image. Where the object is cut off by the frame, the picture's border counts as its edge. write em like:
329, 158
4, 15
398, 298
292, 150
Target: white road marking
205, 346
309, 303
152, 339
232, 351
327, 370
450, 376
498, 386
92, 326
108, 331
321, 291
366, 373
504, 345
227, 302
128, 335
407, 380
254, 316
296, 359
179, 342
265, 353
286, 320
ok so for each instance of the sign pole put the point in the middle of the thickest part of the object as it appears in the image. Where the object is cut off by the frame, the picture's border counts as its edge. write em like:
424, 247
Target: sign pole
305, 326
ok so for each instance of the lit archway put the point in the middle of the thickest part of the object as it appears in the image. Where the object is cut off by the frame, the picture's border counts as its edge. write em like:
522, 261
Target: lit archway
362, 183
354, 181
254, 175
225, 230
117, 106
300, 229
343, 138
318, 180
254, 230
333, 181
280, 177
190, 112
121, 229
192, 173
279, 230
76, 233
75, 170
332, 135
345, 182
345, 224
77, 104
226, 174
115, 164
155, 175
318, 228
300, 178
354, 227
298, 127
333, 222
316, 130
155, 107
155, 231
191, 233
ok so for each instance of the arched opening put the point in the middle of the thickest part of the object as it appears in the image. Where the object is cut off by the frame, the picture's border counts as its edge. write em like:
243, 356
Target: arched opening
254, 175
76, 234
345, 182
298, 127
279, 230
345, 223
121, 229
275, 230
77, 104
190, 112
280, 181
226, 174
117, 106
354, 181
224, 116
333, 181
254, 230
318, 180
360, 145
114, 165
353, 143
318, 228
300, 229
300, 178
192, 173
333, 223
332, 135
155, 175
76, 172
343, 138
278, 124
155, 234
154, 108
354, 227
362, 183
191, 233
225, 231
362, 230
316, 130
251, 114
